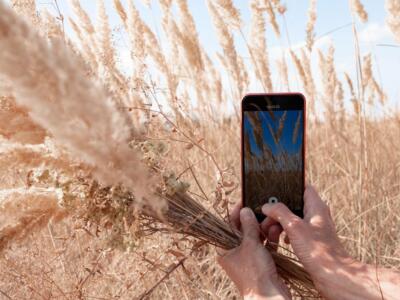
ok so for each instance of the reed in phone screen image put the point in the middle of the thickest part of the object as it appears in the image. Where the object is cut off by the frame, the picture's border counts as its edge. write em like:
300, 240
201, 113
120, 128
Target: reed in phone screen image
273, 158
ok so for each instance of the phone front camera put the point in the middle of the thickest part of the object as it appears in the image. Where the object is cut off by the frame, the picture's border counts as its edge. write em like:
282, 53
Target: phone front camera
273, 200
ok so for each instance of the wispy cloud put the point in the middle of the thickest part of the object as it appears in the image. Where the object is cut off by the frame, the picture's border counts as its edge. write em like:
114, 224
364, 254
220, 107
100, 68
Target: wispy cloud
374, 33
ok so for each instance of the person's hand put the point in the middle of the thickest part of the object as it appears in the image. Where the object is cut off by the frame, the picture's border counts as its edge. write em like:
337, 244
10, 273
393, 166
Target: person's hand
250, 266
315, 242
314, 239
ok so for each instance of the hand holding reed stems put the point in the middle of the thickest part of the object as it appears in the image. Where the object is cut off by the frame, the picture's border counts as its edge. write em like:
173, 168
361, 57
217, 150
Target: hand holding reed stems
186, 216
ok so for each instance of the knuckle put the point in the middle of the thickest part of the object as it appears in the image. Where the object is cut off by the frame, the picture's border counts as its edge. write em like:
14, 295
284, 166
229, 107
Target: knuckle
295, 225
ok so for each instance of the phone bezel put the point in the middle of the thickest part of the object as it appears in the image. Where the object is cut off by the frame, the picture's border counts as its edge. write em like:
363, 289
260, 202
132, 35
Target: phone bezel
285, 101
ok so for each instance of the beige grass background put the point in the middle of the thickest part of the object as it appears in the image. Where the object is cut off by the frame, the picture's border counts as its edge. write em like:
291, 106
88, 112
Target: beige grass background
69, 115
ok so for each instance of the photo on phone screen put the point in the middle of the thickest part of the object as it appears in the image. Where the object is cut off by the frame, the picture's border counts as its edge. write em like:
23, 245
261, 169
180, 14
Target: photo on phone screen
273, 151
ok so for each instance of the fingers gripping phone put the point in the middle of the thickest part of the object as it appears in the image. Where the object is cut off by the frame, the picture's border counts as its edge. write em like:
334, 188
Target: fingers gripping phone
273, 151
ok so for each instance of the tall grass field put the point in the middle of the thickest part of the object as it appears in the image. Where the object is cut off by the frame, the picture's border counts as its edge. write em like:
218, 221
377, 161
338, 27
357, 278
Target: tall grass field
120, 140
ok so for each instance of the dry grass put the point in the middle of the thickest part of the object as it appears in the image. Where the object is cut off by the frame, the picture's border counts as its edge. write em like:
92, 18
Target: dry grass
91, 156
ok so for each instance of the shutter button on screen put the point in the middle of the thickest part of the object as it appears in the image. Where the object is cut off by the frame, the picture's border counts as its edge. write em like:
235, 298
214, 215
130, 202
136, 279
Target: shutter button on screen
273, 200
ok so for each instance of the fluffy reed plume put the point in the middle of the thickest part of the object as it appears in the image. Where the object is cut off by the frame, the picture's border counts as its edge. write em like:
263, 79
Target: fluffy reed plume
283, 71
136, 32
86, 50
51, 27
103, 35
230, 58
152, 47
393, 19
84, 30
268, 6
67, 104
20, 127
87, 32
229, 13
358, 8
258, 46
354, 100
28, 205
23, 212
121, 12
333, 90
192, 58
369, 82
303, 68
84, 18
171, 31
281, 8
214, 78
306, 63
107, 70
312, 18
300, 69
190, 39
181, 54
26, 8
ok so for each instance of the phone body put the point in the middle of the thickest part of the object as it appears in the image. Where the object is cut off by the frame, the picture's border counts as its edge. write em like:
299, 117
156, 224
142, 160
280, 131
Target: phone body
273, 151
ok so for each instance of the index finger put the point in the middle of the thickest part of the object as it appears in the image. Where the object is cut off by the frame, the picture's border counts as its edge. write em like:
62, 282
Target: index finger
281, 213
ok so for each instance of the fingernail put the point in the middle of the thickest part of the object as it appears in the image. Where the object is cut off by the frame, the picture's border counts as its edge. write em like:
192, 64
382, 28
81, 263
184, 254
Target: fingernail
266, 207
246, 213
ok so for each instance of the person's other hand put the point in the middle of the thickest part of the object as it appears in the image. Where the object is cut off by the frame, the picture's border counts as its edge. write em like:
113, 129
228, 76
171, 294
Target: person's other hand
250, 266
313, 239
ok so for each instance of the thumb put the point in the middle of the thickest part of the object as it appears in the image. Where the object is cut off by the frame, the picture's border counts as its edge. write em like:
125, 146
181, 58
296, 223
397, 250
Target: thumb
250, 226
282, 214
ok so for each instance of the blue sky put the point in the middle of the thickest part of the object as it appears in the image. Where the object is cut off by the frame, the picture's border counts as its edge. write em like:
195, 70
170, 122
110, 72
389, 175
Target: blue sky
331, 15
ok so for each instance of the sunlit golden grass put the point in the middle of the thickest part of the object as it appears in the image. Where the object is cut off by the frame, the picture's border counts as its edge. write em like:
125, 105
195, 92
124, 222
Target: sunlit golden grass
113, 188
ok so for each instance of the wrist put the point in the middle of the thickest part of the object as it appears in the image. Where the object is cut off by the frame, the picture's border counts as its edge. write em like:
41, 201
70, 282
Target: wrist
347, 279
271, 289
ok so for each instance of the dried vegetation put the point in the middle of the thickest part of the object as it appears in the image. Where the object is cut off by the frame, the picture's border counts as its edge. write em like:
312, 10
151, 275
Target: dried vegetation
114, 185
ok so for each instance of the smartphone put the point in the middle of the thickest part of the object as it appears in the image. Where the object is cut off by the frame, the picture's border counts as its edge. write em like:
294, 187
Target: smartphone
273, 151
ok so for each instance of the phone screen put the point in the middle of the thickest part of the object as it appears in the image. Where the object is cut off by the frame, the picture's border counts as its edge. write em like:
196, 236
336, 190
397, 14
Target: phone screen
273, 152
